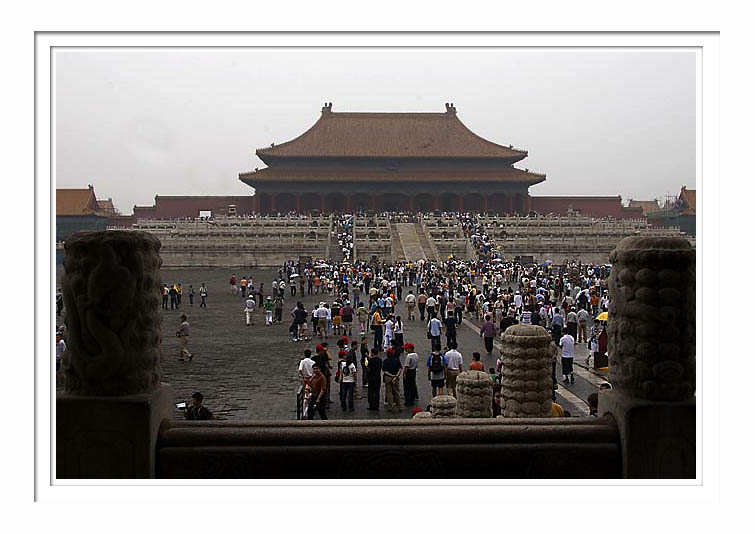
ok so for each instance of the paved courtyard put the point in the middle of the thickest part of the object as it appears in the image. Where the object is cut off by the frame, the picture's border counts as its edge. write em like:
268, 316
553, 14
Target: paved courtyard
251, 372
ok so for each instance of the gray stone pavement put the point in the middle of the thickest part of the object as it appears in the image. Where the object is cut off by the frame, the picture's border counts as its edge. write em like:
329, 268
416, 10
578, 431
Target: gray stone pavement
250, 372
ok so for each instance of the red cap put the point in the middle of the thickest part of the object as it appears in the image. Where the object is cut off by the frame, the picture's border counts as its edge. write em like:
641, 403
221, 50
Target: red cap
319, 348
408, 346
342, 353
390, 352
345, 339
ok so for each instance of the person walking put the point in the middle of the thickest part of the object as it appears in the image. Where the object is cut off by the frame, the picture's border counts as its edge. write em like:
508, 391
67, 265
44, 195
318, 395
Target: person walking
347, 374
487, 333
305, 367
347, 317
388, 332
173, 297
318, 386
557, 325
450, 324
203, 296
571, 323
454, 366
374, 373
567, 357
299, 328
431, 306
411, 395
322, 320
398, 335
436, 371
582, 316
377, 327
268, 305
433, 332
391, 375
191, 295
278, 309
363, 316
183, 339
364, 356
249, 310
411, 302
476, 364
422, 304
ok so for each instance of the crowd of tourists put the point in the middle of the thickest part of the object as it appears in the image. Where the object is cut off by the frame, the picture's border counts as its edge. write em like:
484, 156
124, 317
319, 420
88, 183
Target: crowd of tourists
491, 292
364, 307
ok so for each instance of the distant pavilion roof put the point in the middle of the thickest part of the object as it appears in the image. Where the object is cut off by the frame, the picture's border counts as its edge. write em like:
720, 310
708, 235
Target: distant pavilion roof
277, 174
647, 206
688, 201
391, 135
76, 202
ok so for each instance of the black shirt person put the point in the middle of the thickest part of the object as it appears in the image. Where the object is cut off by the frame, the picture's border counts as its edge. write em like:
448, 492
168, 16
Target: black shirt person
374, 370
196, 411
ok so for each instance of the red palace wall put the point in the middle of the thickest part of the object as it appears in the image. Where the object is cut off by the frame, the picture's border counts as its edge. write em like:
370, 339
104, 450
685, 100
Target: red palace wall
189, 206
121, 221
593, 206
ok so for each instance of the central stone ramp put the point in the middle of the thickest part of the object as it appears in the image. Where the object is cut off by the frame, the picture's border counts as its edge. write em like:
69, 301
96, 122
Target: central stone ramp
410, 243
424, 241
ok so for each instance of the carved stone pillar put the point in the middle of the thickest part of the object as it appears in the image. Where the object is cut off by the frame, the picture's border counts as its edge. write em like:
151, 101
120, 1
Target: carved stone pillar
113, 404
443, 406
651, 350
526, 383
474, 390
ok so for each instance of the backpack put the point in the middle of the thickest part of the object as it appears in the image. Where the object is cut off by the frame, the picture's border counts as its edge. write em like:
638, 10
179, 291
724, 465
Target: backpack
436, 364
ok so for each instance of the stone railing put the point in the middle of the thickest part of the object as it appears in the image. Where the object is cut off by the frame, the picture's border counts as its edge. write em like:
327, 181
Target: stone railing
421, 448
113, 420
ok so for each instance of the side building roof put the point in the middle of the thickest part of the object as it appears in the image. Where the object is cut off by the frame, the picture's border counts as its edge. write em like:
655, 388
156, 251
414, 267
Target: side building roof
688, 201
390, 135
76, 202
647, 206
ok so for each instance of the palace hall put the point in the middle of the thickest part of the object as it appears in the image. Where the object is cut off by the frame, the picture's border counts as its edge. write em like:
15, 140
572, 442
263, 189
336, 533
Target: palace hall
411, 162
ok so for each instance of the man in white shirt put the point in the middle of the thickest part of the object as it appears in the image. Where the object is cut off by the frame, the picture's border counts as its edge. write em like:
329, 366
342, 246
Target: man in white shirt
582, 316
434, 328
518, 301
249, 309
431, 303
410, 303
567, 357
305, 366
322, 320
453, 367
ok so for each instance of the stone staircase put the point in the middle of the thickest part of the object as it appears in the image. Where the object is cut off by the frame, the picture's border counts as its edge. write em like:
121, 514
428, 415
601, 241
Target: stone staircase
424, 242
411, 242
397, 250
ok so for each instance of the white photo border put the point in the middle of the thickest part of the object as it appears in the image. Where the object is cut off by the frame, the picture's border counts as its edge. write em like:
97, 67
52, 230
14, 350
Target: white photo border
703, 489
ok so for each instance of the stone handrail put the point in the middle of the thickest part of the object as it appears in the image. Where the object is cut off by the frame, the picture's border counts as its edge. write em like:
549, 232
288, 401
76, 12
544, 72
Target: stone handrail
430, 240
423, 448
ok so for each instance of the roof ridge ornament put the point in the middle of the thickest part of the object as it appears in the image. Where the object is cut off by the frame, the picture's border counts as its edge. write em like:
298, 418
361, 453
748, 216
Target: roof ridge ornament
327, 107
450, 108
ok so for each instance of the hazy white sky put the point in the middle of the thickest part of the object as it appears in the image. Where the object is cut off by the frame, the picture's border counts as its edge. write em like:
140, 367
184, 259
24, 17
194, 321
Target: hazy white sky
136, 123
